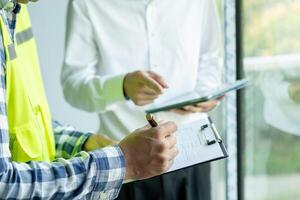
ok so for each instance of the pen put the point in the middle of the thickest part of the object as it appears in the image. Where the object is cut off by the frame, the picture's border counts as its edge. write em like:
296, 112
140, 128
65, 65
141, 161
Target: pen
150, 119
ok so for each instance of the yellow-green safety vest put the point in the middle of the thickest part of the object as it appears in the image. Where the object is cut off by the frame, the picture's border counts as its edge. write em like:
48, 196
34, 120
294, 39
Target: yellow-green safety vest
29, 118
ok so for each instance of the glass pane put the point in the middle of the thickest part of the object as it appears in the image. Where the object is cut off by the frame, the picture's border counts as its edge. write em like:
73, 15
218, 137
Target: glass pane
272, 62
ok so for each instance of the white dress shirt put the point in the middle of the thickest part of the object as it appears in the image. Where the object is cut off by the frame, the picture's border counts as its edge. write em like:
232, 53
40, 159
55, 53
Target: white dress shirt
280, 111
106, 39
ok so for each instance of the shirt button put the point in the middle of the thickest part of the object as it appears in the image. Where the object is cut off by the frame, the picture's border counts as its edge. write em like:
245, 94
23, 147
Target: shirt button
153, 34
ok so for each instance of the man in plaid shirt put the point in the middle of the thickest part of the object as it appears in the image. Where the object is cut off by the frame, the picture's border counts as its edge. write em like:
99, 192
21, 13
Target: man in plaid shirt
82, 170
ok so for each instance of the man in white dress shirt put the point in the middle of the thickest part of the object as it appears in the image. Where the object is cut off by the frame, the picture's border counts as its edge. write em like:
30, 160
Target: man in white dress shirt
120, 54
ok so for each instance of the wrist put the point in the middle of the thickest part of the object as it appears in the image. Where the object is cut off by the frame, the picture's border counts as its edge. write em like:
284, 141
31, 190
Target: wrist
97, 141
129, 174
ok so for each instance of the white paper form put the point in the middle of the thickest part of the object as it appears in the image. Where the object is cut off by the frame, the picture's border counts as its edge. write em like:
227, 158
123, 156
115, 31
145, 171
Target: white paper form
193, 147
197, 142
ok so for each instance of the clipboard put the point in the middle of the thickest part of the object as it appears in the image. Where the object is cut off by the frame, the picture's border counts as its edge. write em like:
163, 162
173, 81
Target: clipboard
197, 142
194, 97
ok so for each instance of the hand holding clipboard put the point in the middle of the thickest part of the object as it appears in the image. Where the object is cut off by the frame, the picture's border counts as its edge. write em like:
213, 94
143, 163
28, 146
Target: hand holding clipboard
195, 98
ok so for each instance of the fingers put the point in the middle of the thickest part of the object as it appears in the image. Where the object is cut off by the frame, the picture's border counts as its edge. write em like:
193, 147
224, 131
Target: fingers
207, 106
166, 159
180, 111
148, 91
221, 98
170, 164
202, 107
151, 83
159, 79
170, 141
143, 87
144, 102
164, 130
193, 109
144, 97
172, 154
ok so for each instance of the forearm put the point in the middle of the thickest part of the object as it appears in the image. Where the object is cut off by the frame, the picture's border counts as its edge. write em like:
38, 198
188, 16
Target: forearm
88, 175
88, 91
83, 87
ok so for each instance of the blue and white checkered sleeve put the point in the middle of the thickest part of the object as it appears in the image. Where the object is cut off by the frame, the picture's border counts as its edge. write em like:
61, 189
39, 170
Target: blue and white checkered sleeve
68, 141
90, 175
4, 139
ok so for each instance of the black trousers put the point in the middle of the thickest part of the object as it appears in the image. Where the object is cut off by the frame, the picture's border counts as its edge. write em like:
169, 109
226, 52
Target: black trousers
187, 184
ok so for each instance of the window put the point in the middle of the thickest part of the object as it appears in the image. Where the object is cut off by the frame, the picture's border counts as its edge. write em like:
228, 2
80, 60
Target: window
271, 47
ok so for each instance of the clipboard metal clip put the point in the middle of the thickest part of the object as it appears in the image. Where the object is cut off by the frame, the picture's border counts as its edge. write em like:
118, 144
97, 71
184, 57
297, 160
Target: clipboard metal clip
210, 133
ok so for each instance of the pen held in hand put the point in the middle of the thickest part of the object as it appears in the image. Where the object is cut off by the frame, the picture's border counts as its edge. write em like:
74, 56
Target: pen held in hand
151, 120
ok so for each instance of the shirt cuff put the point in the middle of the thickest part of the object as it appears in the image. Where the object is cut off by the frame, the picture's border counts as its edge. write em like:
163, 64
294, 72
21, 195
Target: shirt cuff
113, 89
80, 143
110, 163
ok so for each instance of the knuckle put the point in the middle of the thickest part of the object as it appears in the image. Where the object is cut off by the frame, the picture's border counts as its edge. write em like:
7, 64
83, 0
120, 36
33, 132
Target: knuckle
162, 147
162, 159
165, 166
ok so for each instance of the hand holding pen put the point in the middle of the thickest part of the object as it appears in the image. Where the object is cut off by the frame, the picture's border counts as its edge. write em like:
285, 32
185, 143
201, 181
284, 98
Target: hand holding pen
150, 151
151, 120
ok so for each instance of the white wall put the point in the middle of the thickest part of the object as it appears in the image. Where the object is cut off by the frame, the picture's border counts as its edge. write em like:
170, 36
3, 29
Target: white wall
48, 20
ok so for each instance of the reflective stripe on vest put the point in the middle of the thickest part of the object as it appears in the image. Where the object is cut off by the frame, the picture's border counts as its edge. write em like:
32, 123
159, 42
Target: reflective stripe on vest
29, 119
12, 52
24, 36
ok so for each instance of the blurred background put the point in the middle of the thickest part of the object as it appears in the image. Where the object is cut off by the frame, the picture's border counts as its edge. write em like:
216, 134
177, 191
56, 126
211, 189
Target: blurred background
261, 39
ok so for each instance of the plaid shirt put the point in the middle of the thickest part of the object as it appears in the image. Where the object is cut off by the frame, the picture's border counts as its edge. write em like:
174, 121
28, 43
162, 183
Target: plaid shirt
75, 174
